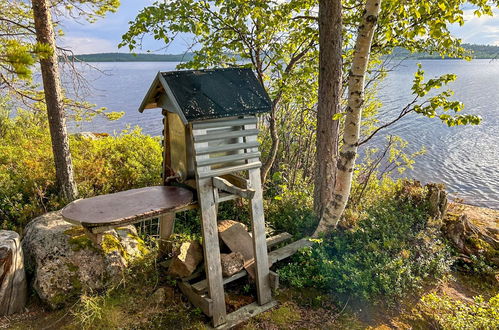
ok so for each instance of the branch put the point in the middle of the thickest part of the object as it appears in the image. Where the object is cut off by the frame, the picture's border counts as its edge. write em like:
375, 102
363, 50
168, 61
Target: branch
407, 109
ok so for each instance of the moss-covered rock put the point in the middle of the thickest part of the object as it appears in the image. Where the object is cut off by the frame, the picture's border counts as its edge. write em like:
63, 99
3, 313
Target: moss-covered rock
64, 262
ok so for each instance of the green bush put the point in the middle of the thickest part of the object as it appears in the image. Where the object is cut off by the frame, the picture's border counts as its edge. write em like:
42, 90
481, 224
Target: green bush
105, 165
290, 210
386, 254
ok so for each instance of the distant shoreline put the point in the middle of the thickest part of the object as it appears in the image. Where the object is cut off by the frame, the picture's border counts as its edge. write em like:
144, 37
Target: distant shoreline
483, 52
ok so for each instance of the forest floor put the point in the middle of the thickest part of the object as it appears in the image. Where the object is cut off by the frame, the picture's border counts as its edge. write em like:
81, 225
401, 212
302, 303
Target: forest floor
138, 307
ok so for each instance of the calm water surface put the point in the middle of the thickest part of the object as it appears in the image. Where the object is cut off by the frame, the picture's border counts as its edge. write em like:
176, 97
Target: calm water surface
466, 159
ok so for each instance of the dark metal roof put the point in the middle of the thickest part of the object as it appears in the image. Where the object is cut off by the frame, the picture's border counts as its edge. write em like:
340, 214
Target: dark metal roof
217, 93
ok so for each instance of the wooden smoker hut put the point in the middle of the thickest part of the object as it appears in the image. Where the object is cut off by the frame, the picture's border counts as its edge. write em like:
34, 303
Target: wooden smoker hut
210, 142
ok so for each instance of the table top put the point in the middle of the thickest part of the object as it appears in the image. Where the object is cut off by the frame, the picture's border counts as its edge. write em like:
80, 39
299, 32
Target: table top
127, 207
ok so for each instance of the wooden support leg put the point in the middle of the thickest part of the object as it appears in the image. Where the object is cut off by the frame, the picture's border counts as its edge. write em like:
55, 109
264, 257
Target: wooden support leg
166, 224
95, 237
259, 241
211, 250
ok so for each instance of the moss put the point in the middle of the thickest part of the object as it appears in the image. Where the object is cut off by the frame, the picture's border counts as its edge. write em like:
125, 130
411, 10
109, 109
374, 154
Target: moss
78, 239
111, 244
72, 267
481, 245
287, 313
141, 245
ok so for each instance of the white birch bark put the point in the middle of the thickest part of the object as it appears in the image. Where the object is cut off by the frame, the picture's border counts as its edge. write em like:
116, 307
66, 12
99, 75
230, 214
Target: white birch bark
348, 151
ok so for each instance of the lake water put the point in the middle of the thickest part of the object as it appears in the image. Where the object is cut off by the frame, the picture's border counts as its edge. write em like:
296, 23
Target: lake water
465, 158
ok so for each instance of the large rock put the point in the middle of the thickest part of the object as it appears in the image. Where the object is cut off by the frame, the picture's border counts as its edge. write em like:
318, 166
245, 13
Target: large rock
187, 257
64, 262
12, 276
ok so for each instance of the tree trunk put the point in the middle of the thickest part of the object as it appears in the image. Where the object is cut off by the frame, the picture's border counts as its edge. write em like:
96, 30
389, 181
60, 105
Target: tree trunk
274, 136
54, 101
329, 104
348, 151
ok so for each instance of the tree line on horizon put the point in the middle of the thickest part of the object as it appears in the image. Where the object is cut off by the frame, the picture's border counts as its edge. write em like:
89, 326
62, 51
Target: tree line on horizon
476, 52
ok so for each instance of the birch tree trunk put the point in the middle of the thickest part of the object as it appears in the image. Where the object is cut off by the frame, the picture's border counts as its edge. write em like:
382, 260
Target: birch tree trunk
329, 103
348, 151
54, 101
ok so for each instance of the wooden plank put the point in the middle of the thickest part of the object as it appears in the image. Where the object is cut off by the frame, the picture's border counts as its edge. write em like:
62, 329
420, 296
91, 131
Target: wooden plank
258, 228
224, 123
274, 240
236, 180
245, 313
201, 301
211, 248
232, 169
202, 285
288, 250
225, 185
224, 135
226, 159
227, 147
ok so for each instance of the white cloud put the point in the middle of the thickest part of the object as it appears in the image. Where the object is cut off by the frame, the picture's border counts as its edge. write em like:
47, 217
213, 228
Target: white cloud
478, 30
88, 45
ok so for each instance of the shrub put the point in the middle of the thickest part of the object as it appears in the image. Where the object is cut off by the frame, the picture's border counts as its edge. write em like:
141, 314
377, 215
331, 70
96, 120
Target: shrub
105, 165
291, 210
388, 253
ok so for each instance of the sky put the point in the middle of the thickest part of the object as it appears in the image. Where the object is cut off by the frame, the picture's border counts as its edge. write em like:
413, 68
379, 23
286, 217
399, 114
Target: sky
105, 35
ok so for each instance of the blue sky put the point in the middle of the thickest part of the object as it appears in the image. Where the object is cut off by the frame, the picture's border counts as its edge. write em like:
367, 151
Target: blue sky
105, 34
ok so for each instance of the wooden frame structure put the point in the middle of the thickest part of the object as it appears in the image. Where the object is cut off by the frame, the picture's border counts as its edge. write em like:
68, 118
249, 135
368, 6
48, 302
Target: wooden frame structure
212, 145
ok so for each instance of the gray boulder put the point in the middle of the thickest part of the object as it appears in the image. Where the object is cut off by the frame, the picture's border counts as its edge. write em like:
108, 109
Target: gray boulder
64, 262
13, 290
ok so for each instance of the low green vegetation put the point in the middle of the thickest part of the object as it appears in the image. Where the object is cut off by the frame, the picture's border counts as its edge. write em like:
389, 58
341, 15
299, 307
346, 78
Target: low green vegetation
444, 312
389, 250
103, 165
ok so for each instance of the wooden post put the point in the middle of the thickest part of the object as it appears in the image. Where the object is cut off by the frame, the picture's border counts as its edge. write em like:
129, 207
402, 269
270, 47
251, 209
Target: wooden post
166, 225
258, 227
211, 248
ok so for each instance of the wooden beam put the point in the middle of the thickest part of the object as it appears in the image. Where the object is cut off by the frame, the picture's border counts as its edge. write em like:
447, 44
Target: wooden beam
245, 313
201, 301
231, 169
262, 265
227, 147
274, 280
225, 185
226, 159
274, 240
211, 248
202, 285
288, 250
224, 135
